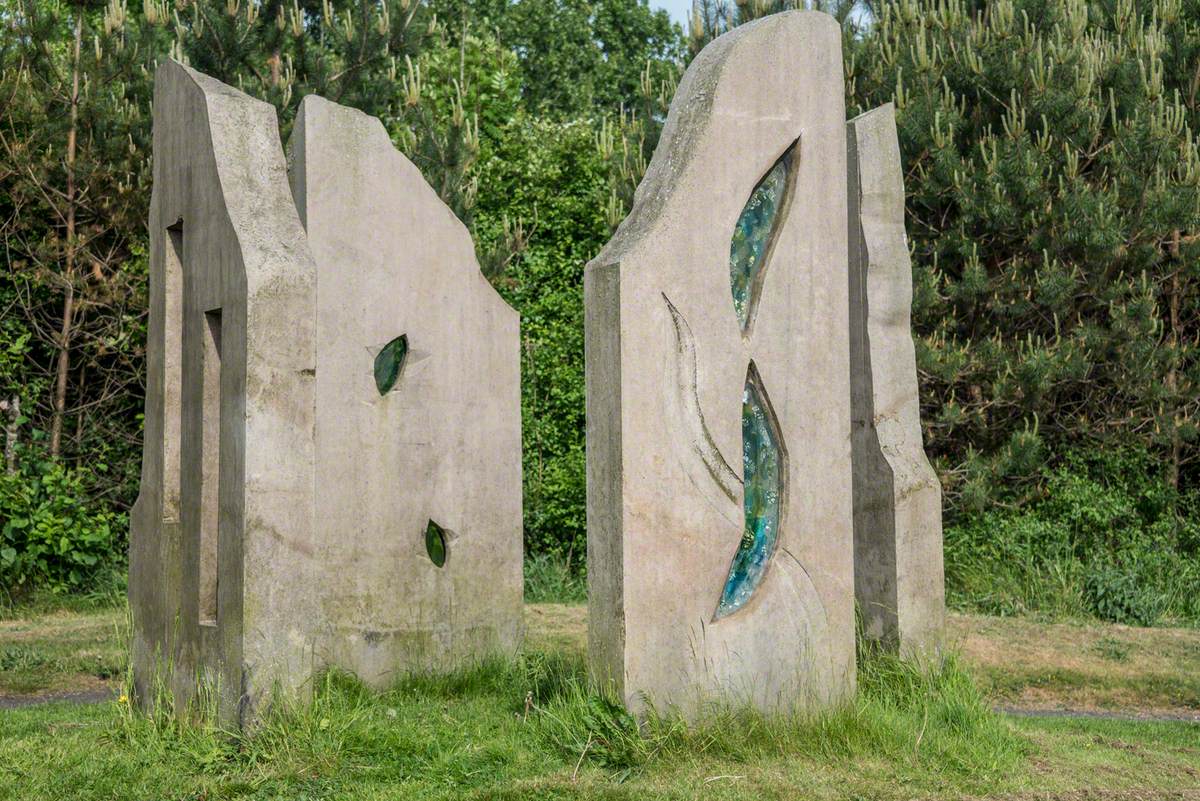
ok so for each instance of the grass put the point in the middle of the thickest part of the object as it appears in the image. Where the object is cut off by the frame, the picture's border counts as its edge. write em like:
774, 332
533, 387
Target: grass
552, 579
1082, 664
47, 650
531, 727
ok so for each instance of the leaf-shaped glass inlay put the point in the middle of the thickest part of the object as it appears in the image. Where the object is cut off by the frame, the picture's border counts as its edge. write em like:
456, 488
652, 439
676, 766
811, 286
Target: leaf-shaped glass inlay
389, 362
762, 457
435, 543
755, 231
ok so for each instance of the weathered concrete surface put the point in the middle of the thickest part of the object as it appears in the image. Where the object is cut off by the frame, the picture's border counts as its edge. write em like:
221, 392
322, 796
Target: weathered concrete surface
235, 253
664, 398
897, 496
281, 523
444, 444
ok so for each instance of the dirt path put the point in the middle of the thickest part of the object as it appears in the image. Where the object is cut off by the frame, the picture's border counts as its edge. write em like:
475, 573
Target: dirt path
1101, 714
81, 697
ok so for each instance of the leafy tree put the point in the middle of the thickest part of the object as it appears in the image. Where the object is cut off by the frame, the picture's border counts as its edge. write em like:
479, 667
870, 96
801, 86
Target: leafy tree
74, 143
550, 175
577, 57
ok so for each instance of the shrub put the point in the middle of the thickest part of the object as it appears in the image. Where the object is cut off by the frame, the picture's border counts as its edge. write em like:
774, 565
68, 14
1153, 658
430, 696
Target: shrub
52, 535
1107, 537
1117, 595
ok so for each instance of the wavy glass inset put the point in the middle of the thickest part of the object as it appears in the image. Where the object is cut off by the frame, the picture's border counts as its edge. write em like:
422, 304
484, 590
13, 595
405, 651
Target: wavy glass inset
755, 233
763, 480
389, 362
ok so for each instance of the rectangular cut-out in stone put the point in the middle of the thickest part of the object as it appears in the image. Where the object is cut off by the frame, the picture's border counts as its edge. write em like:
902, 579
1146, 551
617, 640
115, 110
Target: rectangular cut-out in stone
897, 496
667, 359
281, 526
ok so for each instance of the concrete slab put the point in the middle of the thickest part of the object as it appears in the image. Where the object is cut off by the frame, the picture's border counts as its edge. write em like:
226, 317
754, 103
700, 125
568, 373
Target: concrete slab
717, 350
898, 570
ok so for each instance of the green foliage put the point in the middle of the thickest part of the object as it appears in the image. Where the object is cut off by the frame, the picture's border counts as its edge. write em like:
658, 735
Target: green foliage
1107, 537
1117, 595
74, 136
549, 174
1053, 190
50, 535
577, 57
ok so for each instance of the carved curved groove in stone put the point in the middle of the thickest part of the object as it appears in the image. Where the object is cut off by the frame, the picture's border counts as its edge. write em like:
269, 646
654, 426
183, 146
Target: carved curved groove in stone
754, 235
688, 399
764, 477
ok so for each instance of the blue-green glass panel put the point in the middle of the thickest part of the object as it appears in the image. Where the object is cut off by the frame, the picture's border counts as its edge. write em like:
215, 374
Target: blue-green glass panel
763, 487
752, 236
389, 362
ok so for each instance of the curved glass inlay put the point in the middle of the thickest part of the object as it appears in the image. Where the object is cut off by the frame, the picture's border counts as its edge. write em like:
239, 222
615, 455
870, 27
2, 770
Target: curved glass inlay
762, 457
752, 237
388, 363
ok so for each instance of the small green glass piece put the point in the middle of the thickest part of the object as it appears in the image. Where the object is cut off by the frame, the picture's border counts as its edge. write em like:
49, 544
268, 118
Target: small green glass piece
389, 362
435, 543
763, 491
749, 248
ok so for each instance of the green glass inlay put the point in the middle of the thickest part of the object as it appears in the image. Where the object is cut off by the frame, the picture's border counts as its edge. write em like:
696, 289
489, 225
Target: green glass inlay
435, 543
763, 488
389, 362
749, 249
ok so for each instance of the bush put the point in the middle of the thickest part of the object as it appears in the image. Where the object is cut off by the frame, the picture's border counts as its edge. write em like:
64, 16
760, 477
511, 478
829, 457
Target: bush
1118, 596
550, 176
1108, 537
52, 535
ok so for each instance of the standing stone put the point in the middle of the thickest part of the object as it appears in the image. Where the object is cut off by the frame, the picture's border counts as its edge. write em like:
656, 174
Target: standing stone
897, 496
220, 584
418, 436
331, 470
720, 534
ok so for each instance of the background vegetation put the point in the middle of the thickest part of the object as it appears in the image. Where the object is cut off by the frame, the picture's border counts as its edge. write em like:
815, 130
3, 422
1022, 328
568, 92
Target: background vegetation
1053, 213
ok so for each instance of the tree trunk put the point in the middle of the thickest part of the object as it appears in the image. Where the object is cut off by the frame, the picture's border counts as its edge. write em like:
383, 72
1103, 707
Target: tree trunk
68, 309
13, 407
1173, 372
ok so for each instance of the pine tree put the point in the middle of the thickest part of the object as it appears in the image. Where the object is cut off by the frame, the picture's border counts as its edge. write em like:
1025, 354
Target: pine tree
1053, 184
365, 54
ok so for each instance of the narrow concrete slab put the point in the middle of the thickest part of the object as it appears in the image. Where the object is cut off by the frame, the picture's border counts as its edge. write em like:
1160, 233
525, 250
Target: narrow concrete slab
898, 574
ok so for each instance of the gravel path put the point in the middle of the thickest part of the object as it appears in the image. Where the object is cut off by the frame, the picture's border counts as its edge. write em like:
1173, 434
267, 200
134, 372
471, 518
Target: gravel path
84, 697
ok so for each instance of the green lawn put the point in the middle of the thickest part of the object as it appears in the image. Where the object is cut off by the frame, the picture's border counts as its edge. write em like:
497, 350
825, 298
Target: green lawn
530, 729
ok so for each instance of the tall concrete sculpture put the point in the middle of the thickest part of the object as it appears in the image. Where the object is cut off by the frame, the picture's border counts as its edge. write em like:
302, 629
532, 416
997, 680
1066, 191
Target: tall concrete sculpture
311, 495
897, 496
720, 532
418, 394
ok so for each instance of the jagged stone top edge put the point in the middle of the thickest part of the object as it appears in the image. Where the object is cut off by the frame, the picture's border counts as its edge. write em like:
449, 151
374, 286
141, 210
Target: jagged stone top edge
687, 122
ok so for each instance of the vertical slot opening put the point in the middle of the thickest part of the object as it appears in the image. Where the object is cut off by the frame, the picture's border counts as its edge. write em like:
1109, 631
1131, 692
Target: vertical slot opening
210, 443
173, 370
